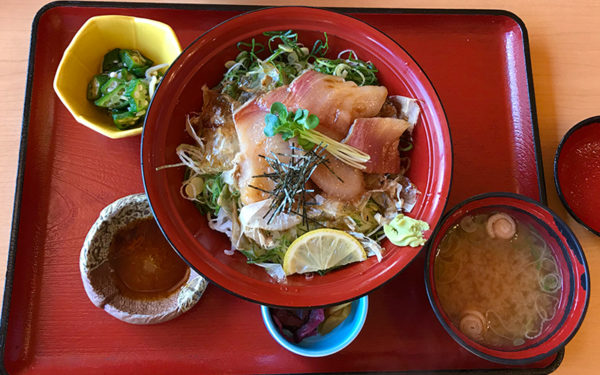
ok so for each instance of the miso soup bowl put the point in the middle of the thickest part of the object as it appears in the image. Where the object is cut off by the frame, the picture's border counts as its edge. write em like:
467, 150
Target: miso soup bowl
570, 259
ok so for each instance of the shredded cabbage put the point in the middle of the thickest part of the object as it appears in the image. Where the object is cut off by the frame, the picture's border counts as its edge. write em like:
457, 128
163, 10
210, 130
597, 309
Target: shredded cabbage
371, 246
275, 270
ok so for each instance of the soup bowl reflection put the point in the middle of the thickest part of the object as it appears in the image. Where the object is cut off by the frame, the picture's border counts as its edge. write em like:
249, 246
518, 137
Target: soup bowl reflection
572, 295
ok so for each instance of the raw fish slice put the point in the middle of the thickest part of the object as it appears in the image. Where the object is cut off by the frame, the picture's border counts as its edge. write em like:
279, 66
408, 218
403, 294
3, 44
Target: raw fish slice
378, 137
351, 186
337, 103
249, 123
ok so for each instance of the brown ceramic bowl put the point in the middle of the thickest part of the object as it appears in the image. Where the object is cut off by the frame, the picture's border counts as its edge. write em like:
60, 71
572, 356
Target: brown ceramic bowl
96, 270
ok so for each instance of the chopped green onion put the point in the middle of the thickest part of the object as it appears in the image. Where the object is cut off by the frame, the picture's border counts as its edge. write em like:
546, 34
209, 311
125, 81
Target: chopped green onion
251, 73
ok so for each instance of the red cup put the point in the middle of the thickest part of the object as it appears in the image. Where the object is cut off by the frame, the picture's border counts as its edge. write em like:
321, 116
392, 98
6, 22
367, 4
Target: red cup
577, 173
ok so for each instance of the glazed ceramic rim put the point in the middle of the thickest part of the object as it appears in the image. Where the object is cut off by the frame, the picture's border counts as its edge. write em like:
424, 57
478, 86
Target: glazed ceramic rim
361, 306
574, 249
384, 274
561, 196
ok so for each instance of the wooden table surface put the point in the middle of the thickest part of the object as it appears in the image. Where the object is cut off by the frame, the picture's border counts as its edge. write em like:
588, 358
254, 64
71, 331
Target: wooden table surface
565, 53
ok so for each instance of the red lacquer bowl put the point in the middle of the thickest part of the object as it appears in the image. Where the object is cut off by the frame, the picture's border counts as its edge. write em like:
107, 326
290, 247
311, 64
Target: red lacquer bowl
179, 94
577, 173
575, 293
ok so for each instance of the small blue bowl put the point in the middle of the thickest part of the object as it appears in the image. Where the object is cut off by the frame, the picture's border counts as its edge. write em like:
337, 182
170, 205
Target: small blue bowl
321, 346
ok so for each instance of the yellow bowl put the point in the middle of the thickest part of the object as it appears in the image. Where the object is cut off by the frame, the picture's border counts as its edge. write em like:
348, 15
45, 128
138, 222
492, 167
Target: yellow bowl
83, 58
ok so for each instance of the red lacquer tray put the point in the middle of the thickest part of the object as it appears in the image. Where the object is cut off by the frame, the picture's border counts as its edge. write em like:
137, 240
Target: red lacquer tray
477, 60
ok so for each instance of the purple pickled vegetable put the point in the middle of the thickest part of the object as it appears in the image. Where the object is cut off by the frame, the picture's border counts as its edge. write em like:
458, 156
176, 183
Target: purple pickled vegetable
309, 328
301, 323
277, 322
288, 318
303, 314
302, 334
285, 332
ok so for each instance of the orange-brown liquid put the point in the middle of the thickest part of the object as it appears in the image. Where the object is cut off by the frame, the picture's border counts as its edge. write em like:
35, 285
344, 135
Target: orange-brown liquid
144, 264
502, 282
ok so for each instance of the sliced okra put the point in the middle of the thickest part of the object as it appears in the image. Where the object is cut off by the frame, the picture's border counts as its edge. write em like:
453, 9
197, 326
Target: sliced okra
111, 84
135, 61
124, 120
115, 99
93, 89
137, 93
112, 61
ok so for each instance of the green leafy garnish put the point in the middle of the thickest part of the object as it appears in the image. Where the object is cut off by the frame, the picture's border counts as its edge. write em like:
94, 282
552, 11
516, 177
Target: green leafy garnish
257, 69
290, 124
301, 124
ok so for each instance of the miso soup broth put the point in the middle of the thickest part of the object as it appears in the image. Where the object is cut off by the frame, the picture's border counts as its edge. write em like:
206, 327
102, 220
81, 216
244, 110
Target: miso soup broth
497, 279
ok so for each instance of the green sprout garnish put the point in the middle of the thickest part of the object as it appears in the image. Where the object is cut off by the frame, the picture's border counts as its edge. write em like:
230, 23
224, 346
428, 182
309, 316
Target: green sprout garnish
290, 124
301, 124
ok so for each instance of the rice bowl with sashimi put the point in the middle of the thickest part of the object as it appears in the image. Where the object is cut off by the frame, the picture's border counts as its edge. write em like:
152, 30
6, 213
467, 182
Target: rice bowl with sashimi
293, 141
297, 146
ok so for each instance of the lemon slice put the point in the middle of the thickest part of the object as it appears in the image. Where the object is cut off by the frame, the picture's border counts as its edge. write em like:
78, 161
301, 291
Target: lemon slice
322, 249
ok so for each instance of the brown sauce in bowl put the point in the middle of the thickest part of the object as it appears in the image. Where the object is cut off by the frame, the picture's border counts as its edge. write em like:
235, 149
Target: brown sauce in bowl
144, 265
